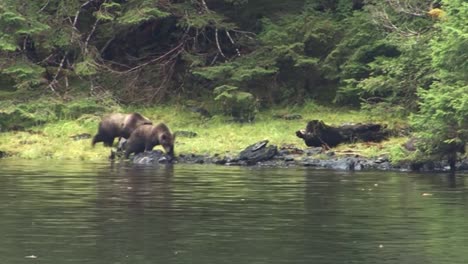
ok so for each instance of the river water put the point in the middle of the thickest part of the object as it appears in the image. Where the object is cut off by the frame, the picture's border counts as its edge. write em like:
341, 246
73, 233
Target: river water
59, 212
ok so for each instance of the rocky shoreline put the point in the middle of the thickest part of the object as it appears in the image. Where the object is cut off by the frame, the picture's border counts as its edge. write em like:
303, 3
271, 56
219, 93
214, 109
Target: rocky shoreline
262, 154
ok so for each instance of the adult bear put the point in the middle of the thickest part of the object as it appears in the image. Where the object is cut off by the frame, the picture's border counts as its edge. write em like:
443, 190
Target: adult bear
146, 137
118, 125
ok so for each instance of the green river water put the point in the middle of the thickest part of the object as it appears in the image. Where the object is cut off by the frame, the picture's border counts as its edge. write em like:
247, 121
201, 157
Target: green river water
70, 212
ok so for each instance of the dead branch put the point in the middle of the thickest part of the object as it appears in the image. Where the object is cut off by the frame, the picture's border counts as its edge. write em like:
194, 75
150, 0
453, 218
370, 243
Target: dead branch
406, 7
214, 59
167, 73
107, 45
247, 33
205, 6
381, 17
217, 43
85, 48
54, 80
74, 31
77, 14
402, 7
44, 6
232, 42
177, 50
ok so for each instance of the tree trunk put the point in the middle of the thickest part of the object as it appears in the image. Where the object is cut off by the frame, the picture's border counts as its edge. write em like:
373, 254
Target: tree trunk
318, 134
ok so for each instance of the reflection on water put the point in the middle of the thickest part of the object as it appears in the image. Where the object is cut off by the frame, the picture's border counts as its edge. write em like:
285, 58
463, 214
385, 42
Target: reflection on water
122, 213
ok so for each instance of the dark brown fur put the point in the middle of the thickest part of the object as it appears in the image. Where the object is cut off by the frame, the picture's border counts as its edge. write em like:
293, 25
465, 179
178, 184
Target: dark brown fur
146, 137
118, 125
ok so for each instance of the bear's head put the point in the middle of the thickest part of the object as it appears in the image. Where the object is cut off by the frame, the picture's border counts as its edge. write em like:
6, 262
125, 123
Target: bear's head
167, 142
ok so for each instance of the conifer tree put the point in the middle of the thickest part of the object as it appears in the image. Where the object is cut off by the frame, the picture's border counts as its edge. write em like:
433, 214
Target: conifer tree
442, 122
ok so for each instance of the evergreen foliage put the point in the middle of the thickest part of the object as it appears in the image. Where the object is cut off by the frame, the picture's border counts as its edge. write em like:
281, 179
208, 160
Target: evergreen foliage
240, 105
442, 122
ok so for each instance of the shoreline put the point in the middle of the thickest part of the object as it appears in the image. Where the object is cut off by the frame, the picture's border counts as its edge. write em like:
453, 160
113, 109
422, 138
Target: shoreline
286, 158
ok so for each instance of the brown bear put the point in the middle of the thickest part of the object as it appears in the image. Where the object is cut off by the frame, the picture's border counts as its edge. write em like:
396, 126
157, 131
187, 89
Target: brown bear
118, 125
146, 137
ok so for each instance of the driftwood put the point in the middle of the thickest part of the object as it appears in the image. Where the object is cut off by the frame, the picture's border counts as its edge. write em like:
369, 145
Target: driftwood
318, 134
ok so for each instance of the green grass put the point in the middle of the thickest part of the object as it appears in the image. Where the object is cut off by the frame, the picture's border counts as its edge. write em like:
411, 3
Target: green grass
216, 135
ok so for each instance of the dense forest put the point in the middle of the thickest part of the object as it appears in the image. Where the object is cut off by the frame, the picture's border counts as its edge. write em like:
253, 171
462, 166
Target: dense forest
405, 56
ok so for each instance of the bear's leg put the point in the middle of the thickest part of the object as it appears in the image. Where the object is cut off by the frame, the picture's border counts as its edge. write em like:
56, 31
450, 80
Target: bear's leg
149, 147
129, 150
133, 147
108, 142
97, 138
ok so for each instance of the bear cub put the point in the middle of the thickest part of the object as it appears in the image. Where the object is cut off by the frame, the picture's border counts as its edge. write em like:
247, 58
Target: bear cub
146, 137
118, 125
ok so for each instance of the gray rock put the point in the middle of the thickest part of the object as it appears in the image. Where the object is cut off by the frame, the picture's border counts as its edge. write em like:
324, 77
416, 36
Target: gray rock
184, 133
151, 157
81, 136
313, 151
463, 165
258, 152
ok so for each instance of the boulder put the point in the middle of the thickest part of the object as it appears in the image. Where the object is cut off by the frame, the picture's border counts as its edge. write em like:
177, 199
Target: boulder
258, 152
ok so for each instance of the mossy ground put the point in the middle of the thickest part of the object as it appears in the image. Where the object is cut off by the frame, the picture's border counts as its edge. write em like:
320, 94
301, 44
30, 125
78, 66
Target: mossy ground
216, 135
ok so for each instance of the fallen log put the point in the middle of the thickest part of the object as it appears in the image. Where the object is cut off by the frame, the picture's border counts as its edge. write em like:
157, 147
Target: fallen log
318, 134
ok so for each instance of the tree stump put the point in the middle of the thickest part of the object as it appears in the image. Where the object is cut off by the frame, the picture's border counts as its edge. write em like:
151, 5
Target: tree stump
318, 134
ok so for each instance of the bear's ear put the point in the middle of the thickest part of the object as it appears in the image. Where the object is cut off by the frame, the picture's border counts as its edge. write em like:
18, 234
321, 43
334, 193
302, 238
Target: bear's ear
163, 137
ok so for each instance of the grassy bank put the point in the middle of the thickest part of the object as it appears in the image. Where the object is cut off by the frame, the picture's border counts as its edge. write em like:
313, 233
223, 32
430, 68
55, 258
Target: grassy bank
51, 139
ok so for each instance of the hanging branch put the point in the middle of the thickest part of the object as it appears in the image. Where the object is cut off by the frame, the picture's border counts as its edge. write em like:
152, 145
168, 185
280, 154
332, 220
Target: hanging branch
408, 8
89, 35
205, 6
93, 29
232, 41
381, 17
44, 6
77, 14
217, 43
170, 55
54, 81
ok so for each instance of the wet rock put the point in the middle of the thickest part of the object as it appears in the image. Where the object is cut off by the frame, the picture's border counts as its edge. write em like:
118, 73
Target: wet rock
383, 166
313, 151
292, 116
184, 133
463, 166
341, 164
288, 116
81, 136
194, 159
346, 163
258, 152
289, 150
121, 144
264, 155
151, 157
381, 159
200, 110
